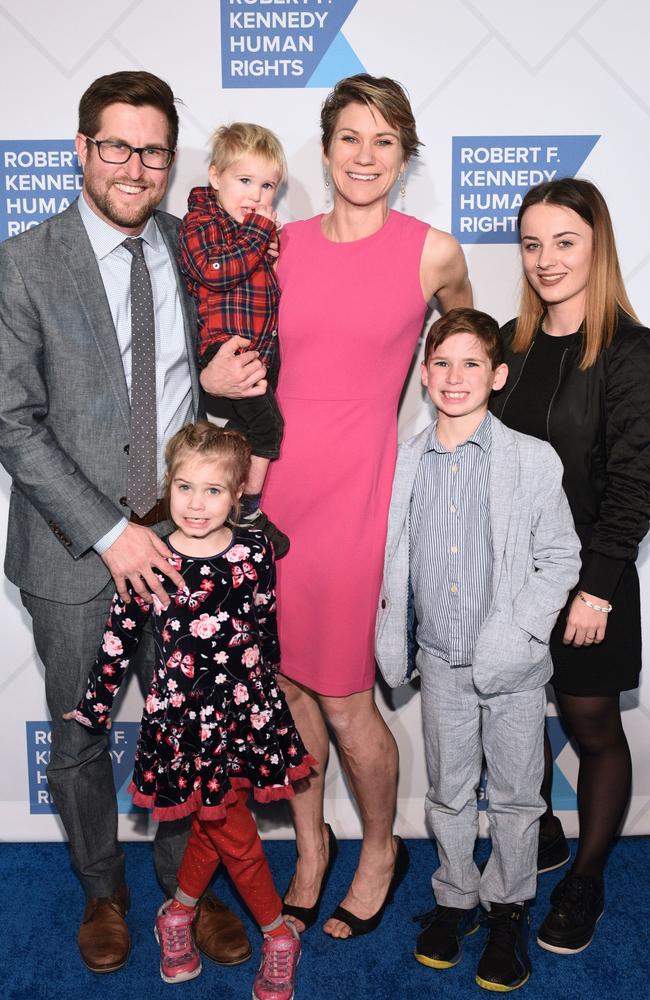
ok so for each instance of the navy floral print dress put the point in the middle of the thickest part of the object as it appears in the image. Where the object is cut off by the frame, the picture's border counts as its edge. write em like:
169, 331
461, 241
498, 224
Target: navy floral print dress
215, 718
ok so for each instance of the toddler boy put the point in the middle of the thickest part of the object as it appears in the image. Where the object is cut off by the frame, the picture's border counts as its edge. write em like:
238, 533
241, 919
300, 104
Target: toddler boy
227, 251
481, 534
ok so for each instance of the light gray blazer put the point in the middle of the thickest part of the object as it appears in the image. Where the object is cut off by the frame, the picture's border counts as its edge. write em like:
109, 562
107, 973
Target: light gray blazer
535, 564
64, 406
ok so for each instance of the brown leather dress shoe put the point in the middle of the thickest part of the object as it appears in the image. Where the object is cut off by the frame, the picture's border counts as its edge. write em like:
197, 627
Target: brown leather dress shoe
219, 934
104, 939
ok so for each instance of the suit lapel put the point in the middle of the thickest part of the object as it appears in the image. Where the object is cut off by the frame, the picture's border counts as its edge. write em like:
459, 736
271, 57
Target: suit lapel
169, 233
408, 460
77, 255
503, 481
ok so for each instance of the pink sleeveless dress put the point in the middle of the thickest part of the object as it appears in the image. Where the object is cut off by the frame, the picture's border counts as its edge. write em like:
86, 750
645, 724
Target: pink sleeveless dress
350, 317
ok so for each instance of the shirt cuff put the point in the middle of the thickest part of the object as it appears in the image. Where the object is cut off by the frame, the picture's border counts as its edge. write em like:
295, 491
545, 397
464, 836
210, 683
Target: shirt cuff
111, 536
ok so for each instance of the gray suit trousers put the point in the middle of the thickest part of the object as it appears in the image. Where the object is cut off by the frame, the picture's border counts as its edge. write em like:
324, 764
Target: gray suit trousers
460, 727
80, 775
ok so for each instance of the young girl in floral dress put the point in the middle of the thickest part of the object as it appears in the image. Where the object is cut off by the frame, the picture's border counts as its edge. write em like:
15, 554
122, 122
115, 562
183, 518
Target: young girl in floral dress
215, 722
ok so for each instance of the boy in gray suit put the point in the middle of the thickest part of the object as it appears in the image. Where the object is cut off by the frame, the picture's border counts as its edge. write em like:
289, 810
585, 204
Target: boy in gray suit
480, 534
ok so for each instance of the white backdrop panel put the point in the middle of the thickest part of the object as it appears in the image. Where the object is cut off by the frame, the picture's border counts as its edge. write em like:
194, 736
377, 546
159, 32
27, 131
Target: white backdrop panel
472, 69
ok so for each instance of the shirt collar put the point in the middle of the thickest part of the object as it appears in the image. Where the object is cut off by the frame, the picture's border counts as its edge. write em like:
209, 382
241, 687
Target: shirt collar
105, 238
482, 437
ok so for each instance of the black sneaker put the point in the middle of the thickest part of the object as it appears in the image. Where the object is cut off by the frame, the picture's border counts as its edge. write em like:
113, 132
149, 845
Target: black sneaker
439, 944
553, 850
558, 890
504, 964
578, 905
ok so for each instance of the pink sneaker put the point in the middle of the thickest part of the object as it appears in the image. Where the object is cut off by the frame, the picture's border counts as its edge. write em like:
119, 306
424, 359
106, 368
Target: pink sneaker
179, 958
277, 972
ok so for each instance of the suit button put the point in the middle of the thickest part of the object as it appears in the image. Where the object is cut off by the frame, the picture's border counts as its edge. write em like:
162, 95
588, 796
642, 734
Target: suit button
124, 501
126, 448
383, 603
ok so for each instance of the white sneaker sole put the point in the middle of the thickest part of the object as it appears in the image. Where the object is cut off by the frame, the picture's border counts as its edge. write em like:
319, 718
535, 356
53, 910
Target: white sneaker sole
557, 950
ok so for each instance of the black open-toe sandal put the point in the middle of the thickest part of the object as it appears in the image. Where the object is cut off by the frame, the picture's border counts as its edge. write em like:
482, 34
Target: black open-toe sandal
309, 914
356, 924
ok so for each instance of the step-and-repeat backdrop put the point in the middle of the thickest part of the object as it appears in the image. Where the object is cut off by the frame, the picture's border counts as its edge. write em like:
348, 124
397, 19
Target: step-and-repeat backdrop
504, 96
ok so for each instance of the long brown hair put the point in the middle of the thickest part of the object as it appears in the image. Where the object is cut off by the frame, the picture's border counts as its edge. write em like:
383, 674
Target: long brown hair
606, 293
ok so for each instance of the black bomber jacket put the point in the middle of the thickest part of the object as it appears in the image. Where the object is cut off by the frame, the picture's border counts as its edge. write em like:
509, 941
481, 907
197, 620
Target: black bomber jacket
598, 421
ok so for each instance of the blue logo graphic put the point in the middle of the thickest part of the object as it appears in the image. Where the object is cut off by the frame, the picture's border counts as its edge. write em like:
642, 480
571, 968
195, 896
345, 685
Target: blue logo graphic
285, 43
564, 796
492, 173
38, 178
123, 738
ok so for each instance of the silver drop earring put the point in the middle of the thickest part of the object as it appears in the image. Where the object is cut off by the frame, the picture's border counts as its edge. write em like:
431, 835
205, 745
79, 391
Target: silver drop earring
402, 188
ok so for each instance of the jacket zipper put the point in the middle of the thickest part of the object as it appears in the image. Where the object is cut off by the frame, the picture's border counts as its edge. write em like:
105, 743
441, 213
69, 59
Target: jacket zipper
552, 399
521, 372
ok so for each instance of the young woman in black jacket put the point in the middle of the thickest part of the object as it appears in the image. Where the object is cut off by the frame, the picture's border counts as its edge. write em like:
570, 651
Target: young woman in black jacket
580, 378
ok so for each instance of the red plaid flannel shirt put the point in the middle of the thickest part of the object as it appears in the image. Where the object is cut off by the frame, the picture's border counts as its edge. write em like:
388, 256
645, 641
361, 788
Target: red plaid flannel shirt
228, 271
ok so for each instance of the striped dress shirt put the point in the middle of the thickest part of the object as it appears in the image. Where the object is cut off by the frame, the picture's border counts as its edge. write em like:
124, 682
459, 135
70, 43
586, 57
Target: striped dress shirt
450, 542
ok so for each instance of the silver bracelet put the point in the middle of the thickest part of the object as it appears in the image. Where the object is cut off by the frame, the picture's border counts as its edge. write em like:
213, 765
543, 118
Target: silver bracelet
606, 608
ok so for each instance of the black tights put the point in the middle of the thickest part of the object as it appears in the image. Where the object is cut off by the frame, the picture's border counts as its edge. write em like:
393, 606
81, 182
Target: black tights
604, 777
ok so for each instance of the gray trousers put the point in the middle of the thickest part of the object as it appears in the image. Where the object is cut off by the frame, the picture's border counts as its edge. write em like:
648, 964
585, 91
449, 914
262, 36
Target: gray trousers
460, 727
80, 774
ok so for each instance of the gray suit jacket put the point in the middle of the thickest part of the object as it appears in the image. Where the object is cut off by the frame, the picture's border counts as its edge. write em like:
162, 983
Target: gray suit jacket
64, 406
536, 561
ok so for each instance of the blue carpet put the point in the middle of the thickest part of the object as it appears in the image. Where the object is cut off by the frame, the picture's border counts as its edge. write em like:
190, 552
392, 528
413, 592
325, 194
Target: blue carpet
43, 906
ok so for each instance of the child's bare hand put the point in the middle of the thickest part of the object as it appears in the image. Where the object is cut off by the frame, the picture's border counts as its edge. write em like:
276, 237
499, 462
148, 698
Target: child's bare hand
76, 716
267, 211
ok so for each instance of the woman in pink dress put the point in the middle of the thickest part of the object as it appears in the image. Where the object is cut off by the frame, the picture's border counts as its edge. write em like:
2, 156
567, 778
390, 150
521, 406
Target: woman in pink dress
355, 286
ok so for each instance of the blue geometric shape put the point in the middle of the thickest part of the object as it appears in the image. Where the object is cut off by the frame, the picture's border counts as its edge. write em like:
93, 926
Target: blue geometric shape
122, 741
339, 61
557, 735
492, 173
38, 178
564, 796
261, 47
125, 802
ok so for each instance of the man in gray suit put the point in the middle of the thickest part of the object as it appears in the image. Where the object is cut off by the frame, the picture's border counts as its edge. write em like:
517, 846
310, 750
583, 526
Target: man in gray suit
68, 375
481, 533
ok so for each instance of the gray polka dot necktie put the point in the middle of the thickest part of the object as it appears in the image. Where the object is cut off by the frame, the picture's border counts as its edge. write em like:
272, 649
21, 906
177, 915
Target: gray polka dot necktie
142, 489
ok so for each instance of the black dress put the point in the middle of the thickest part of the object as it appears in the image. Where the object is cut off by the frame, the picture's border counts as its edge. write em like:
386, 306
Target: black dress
598, 421
215, 719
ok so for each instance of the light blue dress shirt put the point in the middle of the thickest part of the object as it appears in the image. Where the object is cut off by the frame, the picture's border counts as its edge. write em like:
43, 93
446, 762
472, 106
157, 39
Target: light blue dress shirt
451, 545
173, 383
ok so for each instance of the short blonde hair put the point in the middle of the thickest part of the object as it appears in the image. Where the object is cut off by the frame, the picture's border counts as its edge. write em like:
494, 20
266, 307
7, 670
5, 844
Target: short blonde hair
230, 142
380, 92
206, 440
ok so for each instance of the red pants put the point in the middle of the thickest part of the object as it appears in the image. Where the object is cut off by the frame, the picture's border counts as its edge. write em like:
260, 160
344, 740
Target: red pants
236, 842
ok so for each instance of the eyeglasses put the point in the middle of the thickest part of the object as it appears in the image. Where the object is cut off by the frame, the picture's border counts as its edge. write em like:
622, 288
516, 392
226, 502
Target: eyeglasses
112, 151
